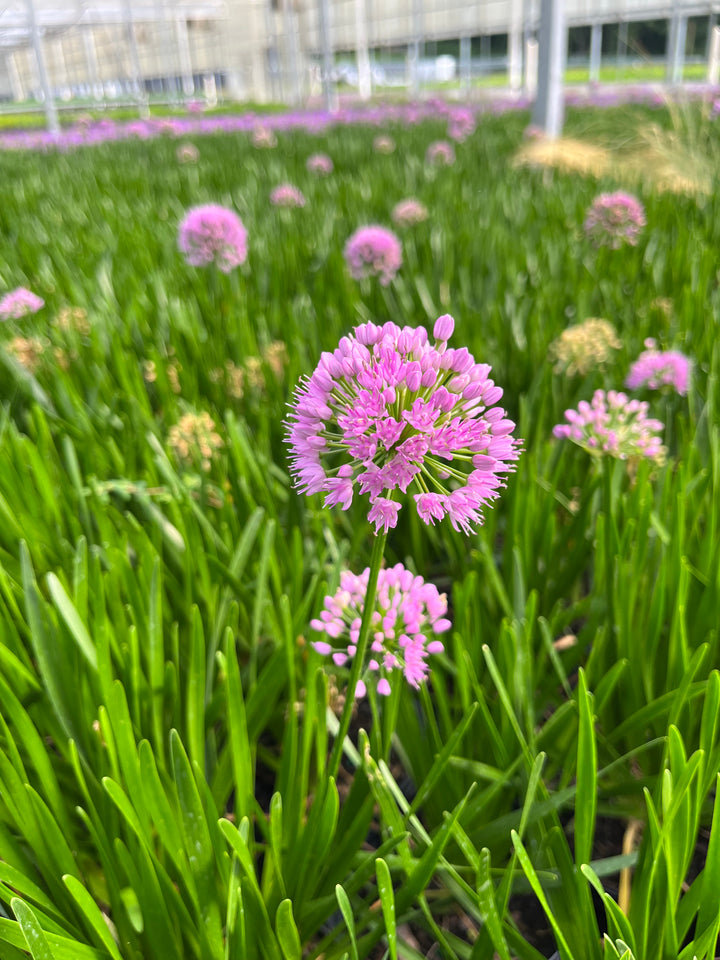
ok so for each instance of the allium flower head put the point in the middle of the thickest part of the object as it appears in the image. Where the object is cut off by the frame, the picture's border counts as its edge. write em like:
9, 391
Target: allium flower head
19, 303
319, 164
383, 143
614, 219
263, 138
286, 195
614, 425
195, 440
187, 153
373, 252
461, 124
584, 346
28, 351
440, 154
213, 234
408, 616
389, 411
409, 212
655, 369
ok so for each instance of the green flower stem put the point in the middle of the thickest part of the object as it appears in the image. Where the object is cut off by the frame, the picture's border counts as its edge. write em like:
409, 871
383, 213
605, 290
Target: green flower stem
607, 471
358, 661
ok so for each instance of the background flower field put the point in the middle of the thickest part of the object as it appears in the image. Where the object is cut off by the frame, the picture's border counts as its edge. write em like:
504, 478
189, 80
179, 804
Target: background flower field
165, 722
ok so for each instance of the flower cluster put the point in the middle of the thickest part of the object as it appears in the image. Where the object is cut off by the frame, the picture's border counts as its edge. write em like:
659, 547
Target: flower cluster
655, 369
252, 376
614, 219
187, 153
28, 351
615, 425
73, 320
213, 234
263, 138
440, 154
388, 410
319, 164
286, 195
194, 439
373, 252
461, 124
409, 212
584, 346
383, 144
406, 610
19, 303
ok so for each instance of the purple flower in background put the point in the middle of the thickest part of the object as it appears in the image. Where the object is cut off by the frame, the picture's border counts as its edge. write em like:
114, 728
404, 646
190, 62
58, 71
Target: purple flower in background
655, 369
383, 143
461, 124
440, 154
615, 425
213, 234
408, 616
320, 164
388, 411
19, 303
373, 252
614, 219
409, 212
286, 195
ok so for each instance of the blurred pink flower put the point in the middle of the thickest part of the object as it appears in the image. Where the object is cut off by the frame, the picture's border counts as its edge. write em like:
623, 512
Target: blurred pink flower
320, 164
615, 425
655, 369
409, 212
615, 219
286, 195
440, 154
213, 234
19, 303
373, 251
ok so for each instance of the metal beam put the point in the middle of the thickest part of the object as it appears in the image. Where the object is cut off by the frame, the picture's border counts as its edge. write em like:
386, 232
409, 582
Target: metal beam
50, 110
548, 112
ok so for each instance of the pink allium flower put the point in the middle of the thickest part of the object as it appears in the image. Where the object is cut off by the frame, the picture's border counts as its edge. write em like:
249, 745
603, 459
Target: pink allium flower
408, 616
187, 153
263, 138
213, 234
383, 144
286, 195
373, 252
655, 369
19, 303
615, 425
614, 219
461, 124
194, 106
440, 154
409, 212
388, 411
320, 164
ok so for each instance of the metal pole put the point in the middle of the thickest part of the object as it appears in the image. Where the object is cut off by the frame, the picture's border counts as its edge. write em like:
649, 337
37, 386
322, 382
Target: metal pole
622, 43
676, 48
16, 86
465, 62
595, 52
50, 110
135, 62
92, 63
183, 46
515, 46
549, 106
363, 54
714, 57
414, 48
291, 53
327, 53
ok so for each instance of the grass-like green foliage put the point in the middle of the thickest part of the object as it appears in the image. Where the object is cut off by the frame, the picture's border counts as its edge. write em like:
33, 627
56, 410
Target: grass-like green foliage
165, 724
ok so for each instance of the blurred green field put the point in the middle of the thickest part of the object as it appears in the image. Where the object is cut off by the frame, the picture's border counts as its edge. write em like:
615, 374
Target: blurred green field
140, 595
